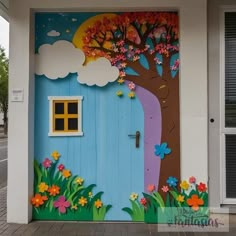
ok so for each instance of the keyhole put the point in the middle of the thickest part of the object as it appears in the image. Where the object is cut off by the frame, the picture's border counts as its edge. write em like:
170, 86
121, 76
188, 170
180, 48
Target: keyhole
212, 120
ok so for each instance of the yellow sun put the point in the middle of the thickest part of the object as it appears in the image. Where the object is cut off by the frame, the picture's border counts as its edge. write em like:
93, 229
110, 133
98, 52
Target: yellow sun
80, 33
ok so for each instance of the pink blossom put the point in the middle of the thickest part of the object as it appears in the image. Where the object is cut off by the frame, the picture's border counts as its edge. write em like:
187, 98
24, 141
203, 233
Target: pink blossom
131, 86
61, 167
157, 61
192, 180
120, 43
122, 74
151, 51
123, 50
61, 204
47, 163
165, 189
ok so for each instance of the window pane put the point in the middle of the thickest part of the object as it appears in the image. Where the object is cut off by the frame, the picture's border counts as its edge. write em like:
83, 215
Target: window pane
72, 124
230, 166
73, 108
59, 108
230, 69
59, 124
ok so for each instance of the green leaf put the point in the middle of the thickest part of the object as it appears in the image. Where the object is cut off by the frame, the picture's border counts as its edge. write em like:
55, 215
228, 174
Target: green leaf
128, 210
37, 172
159, 199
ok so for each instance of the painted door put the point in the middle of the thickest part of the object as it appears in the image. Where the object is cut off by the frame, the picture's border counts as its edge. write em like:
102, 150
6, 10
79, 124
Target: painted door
100, 78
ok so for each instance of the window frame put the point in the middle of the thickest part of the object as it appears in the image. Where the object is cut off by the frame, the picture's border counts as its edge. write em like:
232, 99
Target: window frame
66, 99
223, 129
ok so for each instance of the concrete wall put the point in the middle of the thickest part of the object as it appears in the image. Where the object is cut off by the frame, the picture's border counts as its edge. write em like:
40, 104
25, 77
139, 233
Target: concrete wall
193, 88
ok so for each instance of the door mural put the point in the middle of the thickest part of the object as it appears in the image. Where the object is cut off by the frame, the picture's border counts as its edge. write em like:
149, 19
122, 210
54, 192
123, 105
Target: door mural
107, 127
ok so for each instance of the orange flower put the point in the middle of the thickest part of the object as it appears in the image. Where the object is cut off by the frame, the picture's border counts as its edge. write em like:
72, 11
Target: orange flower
54, 190
38, 200
55, 155
98, 204
66, 173
195, 202
83, 201
150, 188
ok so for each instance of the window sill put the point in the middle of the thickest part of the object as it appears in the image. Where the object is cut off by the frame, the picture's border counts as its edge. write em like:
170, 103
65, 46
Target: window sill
65, 134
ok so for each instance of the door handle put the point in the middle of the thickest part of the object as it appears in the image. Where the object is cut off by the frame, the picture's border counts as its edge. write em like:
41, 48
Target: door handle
137, 137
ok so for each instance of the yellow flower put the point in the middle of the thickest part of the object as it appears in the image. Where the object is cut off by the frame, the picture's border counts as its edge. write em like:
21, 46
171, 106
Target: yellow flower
119, 93
83, 201
74, 207
43, 187
55, 155
131, 95
98, 204
120, 81
133, 196
90, 194
79, 180
184, 185
180, 198
66, 173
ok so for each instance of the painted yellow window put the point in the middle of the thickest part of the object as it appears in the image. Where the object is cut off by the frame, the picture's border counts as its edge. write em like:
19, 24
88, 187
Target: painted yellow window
65, 116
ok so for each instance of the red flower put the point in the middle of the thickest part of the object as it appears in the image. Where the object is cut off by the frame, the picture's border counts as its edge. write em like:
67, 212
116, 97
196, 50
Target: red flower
61, 167
151, 188
143, 201
192, 180
201, 187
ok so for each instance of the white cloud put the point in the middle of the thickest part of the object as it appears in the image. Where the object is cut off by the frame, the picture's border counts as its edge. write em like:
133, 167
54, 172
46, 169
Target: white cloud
74, 19
53, 33
58, 60
99, 72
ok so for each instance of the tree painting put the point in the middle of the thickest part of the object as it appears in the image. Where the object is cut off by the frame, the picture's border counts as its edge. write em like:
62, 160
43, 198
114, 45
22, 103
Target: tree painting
145, 48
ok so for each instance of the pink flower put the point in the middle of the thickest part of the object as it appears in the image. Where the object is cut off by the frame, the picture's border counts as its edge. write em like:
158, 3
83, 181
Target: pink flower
47, 163
165, 189
131, 86
61, 204
122, 74
61, 167
192, 180
151, 188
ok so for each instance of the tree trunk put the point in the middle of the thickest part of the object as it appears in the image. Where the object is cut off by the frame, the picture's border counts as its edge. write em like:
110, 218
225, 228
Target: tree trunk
5, 125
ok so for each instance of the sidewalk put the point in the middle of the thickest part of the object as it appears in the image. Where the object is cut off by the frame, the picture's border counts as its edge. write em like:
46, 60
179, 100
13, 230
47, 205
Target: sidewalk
85, 229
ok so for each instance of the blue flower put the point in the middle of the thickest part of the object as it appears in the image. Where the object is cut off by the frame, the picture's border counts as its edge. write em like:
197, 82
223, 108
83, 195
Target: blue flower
172, 181
162, 150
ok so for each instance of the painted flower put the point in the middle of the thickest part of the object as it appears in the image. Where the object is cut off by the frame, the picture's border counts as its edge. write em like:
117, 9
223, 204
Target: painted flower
180, 198
162, 150
195, 202
98, 203
119, 93
79, 181
192, 180
136, 58
131, 95
54, 190
122, 74
90, 194
47, 163
201, 187
66, 173
74, 207
55, 155
131, 86
133, 196
172, 181
184, 185
61, 204
143, 201
165, 189
38, 200
151, 188
120, 81
83, 201
61, 167
43, 187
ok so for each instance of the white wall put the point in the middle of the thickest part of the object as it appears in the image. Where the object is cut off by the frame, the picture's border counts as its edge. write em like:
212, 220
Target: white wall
193, 88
